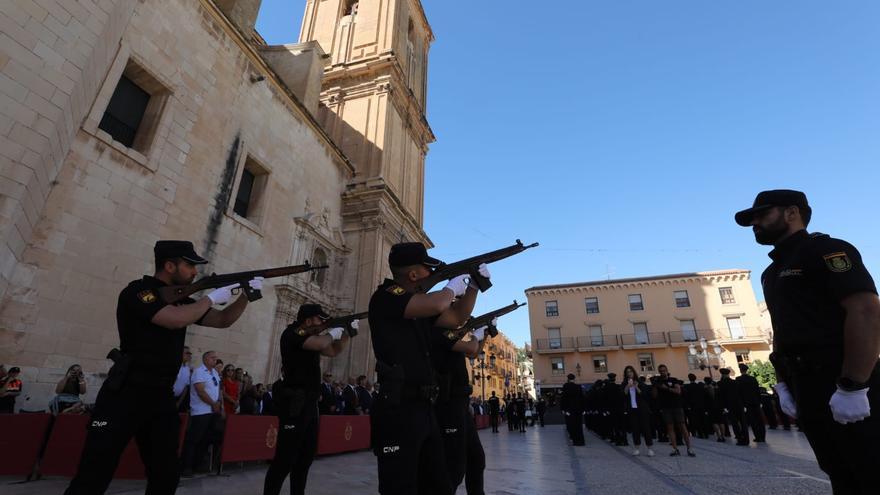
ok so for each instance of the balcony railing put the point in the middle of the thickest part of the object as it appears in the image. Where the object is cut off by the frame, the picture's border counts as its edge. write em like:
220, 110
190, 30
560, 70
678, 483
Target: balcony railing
749, 334
658, 338
586, 341
561, 344
688, 337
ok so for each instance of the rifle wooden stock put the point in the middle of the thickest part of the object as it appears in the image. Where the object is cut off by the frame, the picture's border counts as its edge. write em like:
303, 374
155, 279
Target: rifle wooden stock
470, 266
175, 293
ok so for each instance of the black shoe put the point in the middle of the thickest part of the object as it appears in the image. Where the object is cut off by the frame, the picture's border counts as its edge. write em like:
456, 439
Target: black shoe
745, 443
675, 453
721, 440
691, 453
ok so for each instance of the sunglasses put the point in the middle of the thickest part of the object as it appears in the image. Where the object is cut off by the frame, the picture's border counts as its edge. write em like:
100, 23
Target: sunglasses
214, 380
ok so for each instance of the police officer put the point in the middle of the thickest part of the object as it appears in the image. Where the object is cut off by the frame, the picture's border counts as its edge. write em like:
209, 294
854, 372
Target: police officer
494, 411
139, 402
750, 393
572, 405
296, 397
405, 436
461, 443
826, 319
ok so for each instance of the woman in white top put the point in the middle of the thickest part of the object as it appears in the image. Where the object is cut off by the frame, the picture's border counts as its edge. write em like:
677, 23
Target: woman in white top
637, 409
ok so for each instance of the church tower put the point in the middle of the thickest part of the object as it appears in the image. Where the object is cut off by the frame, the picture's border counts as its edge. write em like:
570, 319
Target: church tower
373, 106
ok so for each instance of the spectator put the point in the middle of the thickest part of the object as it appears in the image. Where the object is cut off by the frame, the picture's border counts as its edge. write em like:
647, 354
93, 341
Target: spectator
668, 391
219, 367
375, 392
733, 407
10, 388
327, 401
337, 393
750, 394
230, 390
695, 406
715, 404
268, 403
249, 403
351, 406
363, 393
68, 390
181, 384
637, 410
205, 406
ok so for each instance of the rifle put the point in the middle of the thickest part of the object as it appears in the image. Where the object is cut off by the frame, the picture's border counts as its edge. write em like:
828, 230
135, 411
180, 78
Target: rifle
485, 320
175, 293
470, 266
341, 321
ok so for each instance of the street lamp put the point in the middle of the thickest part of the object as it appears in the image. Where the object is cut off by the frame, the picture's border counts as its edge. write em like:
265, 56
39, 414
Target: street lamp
481, 364
577, 368
704, 355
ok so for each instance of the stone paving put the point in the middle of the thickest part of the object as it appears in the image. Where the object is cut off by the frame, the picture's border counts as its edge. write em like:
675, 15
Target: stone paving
541, 462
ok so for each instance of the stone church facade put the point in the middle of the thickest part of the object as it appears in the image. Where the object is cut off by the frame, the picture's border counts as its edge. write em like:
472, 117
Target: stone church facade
123, 122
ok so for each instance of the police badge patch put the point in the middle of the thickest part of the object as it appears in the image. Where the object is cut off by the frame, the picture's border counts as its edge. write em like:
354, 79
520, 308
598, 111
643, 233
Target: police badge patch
838, 262
147, 296
396, 290
451, 335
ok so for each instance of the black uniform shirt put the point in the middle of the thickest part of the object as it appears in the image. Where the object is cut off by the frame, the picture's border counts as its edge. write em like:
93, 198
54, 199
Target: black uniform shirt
803, 287
155, 350
302, 368
449, 362
399, 340
667, 399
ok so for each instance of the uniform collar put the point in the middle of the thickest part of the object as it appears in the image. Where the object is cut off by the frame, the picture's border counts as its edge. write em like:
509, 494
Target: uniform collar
155, 281
787, 245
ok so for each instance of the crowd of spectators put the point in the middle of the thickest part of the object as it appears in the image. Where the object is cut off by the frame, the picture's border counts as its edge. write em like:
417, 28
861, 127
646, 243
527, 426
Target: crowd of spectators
353, 397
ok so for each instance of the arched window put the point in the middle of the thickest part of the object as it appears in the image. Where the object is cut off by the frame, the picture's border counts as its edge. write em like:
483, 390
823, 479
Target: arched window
319, 259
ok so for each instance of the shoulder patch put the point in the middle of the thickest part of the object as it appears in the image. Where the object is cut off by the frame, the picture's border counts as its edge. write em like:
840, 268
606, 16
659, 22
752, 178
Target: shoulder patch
301, 332
147, 296
396, 290
451, 335
838, 262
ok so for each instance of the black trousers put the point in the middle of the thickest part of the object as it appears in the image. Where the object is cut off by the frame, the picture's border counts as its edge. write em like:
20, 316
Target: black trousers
294, 453
574, 425
756, 422
150, 416
847, 453
541, 418
199, 434
640, 426
409, 449
465, 458
494, 420
737, 419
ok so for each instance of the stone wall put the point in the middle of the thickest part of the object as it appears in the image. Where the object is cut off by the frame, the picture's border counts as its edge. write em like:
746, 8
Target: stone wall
80, 213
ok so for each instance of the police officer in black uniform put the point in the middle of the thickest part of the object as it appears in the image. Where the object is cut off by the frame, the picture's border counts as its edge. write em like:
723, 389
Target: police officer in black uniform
405, 436
137, 398
461, 442
826, 319
494, 411
296, 397
572, 405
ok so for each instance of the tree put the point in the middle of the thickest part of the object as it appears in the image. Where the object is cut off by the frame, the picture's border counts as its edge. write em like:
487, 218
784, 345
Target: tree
765, 373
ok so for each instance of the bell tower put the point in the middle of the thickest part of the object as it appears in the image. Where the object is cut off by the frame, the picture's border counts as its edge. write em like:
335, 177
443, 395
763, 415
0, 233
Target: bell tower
373, 98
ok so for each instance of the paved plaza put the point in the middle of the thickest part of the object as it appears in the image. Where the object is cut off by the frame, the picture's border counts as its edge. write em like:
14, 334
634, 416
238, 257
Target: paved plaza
541, 462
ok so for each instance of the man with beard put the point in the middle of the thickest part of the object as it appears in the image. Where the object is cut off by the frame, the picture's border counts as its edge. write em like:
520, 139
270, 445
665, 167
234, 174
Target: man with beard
826, 319
140, 402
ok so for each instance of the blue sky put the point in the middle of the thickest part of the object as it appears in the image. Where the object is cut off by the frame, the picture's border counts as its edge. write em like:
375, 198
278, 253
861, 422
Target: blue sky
623, 135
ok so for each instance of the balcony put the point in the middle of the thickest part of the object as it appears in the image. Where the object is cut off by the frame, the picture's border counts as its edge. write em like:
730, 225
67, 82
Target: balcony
684, 339
745, 335
551, 346
595, 343
643, 341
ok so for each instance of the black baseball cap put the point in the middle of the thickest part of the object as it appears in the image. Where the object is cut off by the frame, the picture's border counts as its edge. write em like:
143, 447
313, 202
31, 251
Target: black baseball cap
166, 250
310, 310
411, 253
769, 199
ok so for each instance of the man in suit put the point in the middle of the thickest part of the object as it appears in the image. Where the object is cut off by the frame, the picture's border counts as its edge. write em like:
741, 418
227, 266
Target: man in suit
363, 394
327, 402
750, 393
351, 406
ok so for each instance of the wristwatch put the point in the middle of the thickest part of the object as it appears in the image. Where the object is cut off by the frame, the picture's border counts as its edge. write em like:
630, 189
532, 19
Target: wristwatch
849, 385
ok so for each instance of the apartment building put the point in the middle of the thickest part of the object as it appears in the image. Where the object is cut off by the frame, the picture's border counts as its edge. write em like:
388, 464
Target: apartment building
691, 322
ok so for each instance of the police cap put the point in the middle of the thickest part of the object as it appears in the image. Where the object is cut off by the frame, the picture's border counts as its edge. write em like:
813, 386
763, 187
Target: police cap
166, 250
724, 371
309, 310
769, 199
411, 253
612, 376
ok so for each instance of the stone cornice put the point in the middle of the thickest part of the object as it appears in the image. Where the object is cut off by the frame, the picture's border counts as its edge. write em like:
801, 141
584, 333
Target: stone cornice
253, 55
642, 282
374, 194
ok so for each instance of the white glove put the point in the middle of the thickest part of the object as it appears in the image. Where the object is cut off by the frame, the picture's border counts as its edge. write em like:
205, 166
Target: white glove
458, 285
567, 413
336, 332
786, 401
850, 406
480, 334
222, 295
483, 270
494, 322
256, 283
356, 325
